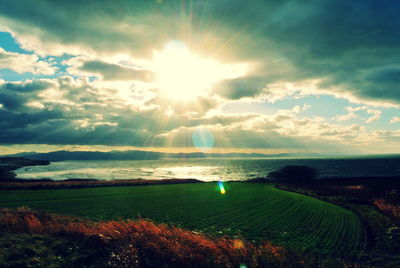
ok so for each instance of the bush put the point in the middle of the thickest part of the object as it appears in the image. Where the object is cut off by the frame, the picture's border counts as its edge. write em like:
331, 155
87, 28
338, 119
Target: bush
294, 174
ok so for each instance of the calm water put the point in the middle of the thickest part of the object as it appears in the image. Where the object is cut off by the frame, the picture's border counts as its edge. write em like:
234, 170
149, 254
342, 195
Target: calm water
208, 169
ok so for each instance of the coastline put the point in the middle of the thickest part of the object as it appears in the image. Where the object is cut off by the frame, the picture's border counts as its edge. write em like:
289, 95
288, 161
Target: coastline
9, 164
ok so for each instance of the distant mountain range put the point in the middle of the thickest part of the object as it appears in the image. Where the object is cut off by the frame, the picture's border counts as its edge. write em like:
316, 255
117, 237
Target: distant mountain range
141, 155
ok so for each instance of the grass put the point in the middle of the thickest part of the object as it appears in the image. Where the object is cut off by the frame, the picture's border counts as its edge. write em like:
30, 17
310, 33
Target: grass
376, 201
254, 211
32, 239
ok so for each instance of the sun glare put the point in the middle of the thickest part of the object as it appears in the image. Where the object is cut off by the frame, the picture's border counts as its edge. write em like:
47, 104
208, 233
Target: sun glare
183, 75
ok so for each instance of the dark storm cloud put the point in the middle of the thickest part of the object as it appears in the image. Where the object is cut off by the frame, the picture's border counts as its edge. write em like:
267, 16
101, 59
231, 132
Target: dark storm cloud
380, 84
11, 100
60, 127
339, 40
11, 120
30, 86
14, 95
92, 24
342, 41
63, 132
15, 114
240, 87
114, 71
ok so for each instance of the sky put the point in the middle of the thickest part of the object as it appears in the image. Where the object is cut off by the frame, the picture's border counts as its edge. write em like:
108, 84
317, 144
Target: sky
273, 76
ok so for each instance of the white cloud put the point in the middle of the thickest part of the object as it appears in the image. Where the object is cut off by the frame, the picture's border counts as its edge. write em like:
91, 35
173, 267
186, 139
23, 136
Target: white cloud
395, 119
345, 117
356, 109
301, 88
35, 104
352, 114
298, 109
376, 114
284, 89
23, 63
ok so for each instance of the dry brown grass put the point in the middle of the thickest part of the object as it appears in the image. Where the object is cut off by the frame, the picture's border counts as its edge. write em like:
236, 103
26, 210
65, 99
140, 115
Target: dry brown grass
142, 243
389, 209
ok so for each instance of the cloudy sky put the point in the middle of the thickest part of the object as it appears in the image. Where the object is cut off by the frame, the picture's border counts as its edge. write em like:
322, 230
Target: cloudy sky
254, 76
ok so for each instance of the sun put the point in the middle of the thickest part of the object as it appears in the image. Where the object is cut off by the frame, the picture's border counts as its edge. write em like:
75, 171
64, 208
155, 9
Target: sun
182, 75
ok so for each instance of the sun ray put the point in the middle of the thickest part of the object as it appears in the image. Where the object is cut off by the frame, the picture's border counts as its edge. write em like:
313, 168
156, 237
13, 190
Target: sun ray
183, 75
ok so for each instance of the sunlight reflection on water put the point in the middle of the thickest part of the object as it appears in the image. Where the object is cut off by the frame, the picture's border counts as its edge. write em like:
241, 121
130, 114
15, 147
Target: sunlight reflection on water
205, 169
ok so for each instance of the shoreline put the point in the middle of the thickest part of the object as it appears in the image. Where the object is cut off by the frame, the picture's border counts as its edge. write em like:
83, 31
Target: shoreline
9, 164
9, 181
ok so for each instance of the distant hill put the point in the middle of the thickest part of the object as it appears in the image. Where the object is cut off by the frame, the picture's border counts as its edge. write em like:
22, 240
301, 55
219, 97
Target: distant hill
138, 155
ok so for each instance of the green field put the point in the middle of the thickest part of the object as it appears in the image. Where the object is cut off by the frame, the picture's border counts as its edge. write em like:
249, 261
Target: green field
254, 210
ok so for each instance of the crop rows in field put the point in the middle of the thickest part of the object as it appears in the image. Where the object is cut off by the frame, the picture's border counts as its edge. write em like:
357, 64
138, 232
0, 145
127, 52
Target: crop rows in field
255, 211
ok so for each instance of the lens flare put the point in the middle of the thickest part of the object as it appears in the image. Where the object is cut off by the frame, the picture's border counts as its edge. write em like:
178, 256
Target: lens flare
221, 187
203, 139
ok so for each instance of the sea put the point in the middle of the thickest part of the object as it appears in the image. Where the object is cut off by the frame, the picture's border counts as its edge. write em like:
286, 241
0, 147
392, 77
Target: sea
210, 169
